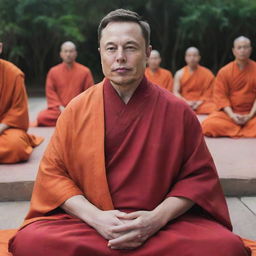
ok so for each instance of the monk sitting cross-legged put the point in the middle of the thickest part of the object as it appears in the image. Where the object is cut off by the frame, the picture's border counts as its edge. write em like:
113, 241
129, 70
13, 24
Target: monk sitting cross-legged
194, 84
122, 177
235, 96
63, 83
157, 75
15, 144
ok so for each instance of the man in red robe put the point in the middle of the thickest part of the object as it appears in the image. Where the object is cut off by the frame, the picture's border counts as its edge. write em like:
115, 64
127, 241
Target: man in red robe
194, 83
157, 75
127, 171
15, 144
63, 83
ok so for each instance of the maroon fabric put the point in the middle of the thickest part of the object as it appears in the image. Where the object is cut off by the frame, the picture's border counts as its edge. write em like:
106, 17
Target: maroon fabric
154, 148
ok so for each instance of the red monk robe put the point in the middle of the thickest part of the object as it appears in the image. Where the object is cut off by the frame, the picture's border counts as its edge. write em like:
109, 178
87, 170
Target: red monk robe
15, 144
145, 157
198, 86
161, 77
235, 88
62, 85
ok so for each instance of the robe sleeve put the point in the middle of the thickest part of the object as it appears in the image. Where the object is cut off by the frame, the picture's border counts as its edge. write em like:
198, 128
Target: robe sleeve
221, 91
17, 114
88, 81
170, 82
54, 184
208, 90
53, 100
198, 179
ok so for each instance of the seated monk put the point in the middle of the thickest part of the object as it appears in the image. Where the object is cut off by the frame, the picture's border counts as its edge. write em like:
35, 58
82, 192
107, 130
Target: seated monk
194, 83
63, 83
15, 144
157, 75
120, 176
235, 96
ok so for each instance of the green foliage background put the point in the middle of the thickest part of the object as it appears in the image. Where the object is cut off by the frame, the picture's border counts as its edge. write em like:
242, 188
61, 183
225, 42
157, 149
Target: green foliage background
32, 30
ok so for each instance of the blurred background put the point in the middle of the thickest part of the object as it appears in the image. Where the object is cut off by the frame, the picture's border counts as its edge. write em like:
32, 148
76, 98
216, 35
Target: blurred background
32, 31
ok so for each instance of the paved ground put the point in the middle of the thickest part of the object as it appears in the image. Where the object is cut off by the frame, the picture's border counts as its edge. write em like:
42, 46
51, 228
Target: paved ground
238, 178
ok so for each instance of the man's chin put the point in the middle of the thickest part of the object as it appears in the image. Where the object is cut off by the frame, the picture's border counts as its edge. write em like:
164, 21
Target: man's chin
123, 81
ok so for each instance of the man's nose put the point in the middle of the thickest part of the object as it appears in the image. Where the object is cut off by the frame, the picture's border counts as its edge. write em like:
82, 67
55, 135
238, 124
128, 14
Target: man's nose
120, 55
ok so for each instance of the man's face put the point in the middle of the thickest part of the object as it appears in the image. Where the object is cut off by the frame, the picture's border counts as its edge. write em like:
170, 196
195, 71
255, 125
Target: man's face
68, 54
242, 50
154, 61
192, 58
123, 53
1, 47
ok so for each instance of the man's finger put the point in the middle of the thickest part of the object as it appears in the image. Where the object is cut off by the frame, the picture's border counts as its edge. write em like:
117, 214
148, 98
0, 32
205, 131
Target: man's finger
125, 227
128, 237
130, 216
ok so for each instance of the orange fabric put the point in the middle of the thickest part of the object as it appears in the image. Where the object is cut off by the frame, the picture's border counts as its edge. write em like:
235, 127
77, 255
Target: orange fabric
62, 85
198, 86
88, 179
251, 244
5, 236
220, 124
161, 77
15, 144
237, 89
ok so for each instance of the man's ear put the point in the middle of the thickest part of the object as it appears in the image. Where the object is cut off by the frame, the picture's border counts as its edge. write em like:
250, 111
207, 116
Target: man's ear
148, 50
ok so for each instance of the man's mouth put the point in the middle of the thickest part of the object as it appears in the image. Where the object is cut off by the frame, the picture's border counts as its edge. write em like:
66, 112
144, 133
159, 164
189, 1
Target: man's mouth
121, 69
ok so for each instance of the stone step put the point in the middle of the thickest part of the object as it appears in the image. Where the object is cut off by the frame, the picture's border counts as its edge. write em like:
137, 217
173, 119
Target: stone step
242, 212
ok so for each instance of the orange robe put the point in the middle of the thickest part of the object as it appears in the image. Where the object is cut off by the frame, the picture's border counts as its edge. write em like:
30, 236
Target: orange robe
119, 156
237, 89
161, 77
62, 85
15, 144
198, 86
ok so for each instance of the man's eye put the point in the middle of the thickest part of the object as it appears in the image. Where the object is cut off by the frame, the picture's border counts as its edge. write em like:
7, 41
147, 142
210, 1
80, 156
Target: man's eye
109, 49
130, 48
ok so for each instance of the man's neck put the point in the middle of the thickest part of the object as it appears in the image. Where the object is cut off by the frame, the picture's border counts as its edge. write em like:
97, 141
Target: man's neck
69, 65
126, 91
154, 70
241, 63
192, 68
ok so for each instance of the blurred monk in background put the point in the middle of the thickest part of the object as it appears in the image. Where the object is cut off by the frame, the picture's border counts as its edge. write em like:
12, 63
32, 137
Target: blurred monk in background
15, 144
63, 83
156, 74
194, 83
235, 96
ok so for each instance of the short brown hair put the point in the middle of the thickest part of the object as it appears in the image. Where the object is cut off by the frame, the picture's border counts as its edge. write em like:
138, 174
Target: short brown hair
121, 15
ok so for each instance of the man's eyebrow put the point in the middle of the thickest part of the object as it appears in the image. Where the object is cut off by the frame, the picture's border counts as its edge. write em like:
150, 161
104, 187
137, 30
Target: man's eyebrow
132, 42
109, 43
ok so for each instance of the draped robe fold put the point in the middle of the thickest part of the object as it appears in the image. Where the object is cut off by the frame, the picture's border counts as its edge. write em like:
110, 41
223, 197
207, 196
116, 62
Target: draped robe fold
62, 85
234, 88
15, 144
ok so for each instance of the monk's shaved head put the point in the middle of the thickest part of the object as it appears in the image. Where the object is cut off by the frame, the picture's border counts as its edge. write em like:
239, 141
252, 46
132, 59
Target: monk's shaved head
155, 53
193, 50
68, 44
68, 52
154, 60
242, 39
192, 57
242, 49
